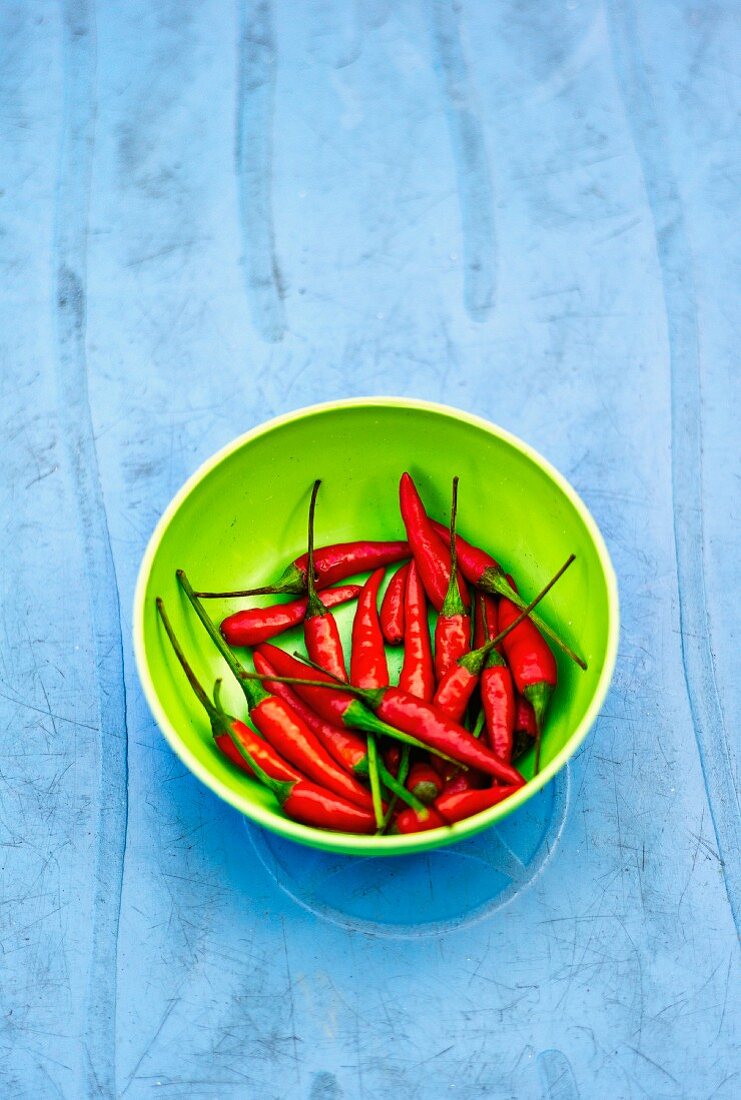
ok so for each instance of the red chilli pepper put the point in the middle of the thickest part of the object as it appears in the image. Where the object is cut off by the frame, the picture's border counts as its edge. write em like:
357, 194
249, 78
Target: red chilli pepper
433, 560
458, 805
481, 569
260, 624
418, 670
532, 663
279, 723
498, 699
453, 626
424, 782
460, 781
458, 685
341, 743
331, 563
228, 733
392, 607
435, 730
311, 805
416, 821
525, 717
368, 666
321, 633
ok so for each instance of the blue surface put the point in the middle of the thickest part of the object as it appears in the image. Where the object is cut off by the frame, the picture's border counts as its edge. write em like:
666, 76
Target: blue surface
213, 213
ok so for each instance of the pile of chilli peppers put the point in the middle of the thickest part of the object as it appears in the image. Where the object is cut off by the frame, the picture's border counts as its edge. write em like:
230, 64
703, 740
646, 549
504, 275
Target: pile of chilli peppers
336, 743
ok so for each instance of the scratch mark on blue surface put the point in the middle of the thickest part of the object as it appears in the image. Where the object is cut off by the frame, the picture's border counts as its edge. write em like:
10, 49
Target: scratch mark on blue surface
675, 260
254, 167
557, 1075
471, 163
72, 195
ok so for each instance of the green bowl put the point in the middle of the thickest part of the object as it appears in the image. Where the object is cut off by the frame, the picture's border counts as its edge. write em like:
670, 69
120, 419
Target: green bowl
242, 516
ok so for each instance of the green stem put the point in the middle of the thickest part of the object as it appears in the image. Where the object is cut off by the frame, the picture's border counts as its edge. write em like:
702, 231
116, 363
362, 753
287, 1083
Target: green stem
453, 603
494, 580
400, 790
193, 680
253, 693
360, 718
314, 605
367, 695
474, 660
239, 593
538, 695
476, 731
375, 782
401, 778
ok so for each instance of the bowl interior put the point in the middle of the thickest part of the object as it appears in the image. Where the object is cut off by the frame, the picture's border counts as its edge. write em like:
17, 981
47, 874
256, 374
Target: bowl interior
242, 517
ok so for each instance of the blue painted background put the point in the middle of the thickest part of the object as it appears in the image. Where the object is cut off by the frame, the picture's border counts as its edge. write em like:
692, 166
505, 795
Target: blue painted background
214, 212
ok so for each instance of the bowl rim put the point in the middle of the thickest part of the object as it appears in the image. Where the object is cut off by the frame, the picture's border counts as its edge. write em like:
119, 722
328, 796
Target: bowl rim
348, 843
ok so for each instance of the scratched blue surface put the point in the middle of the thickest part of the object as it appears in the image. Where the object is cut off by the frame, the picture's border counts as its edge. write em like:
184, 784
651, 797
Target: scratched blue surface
212, 213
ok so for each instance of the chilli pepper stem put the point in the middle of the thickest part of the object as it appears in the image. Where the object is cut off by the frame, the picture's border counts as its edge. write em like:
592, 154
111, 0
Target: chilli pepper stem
235, 665
399, 790
525, 613
314, 605
375, 782
401, 777
239, 593
453, 604
501, 586
193, 680
476, 731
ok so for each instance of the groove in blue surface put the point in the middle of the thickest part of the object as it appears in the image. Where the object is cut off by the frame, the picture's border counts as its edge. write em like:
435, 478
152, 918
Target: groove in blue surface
73, 184
257, 60
675, 260
471, 162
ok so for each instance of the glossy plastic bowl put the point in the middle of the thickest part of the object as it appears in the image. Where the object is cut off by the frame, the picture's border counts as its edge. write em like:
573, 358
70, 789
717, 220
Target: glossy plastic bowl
242, 516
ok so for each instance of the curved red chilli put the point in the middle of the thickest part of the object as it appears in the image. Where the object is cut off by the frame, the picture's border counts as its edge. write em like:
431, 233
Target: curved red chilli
432, 558
457, 806
528, 654
311, 805
264, 754
471, 560
258, 624
427, 724
345, 559
324, 645
392, 607
498, 699
368, 665
418, 669
328, 703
